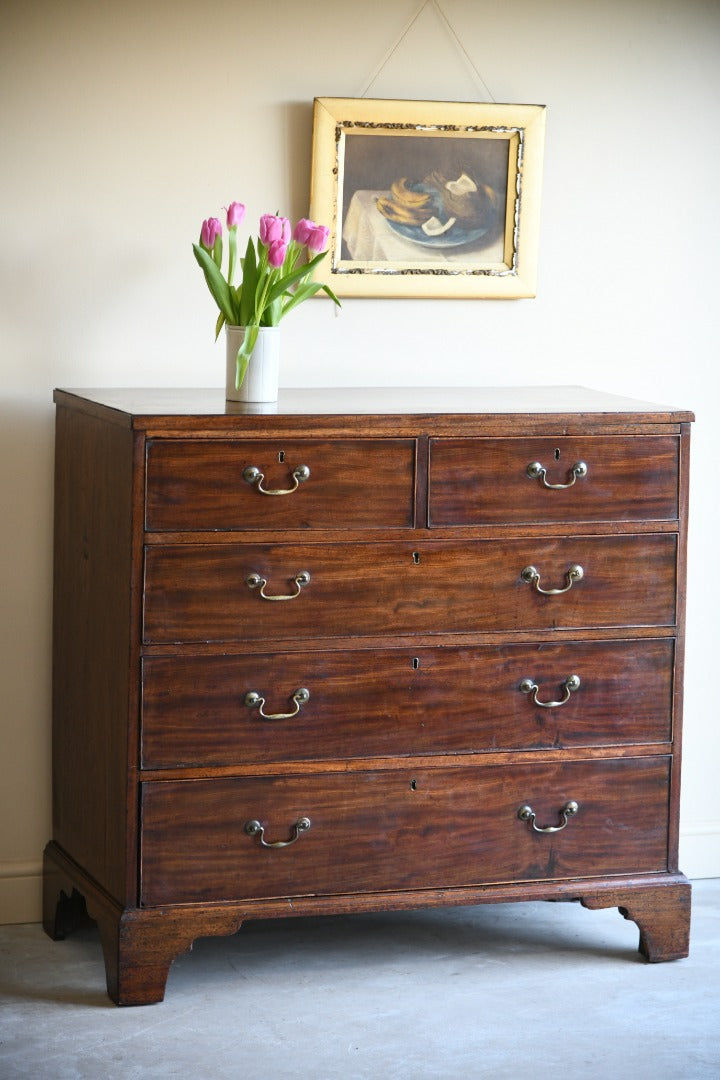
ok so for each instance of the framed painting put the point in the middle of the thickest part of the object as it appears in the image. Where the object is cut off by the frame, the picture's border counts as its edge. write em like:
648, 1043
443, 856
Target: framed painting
428, 198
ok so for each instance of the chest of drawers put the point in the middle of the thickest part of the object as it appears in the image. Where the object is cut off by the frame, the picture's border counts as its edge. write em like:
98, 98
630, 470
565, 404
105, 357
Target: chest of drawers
366, 650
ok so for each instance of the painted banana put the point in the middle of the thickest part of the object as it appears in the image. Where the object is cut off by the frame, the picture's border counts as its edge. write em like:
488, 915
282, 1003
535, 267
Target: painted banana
405, 205
406, 196
403, 215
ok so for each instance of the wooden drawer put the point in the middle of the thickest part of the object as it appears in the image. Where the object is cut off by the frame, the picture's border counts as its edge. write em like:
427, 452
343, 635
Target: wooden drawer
200, 592
199, 484
401, 829
486, 481
365, 703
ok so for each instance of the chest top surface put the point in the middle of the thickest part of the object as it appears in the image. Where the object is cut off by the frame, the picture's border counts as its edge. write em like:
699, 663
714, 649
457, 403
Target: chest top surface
157, 408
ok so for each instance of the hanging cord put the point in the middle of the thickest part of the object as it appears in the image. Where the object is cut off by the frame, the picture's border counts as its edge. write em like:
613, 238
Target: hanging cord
406, 30
403, 34
483, 85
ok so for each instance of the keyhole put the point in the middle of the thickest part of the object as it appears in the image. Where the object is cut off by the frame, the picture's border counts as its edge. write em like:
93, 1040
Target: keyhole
281, 456
416, 557
557, 453
415, 662
413, 785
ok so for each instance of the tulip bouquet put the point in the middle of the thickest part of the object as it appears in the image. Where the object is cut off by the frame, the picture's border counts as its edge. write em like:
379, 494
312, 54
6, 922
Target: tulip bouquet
273, 274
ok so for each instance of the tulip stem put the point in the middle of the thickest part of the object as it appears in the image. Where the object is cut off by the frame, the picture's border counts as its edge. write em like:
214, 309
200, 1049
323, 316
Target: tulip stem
232, 243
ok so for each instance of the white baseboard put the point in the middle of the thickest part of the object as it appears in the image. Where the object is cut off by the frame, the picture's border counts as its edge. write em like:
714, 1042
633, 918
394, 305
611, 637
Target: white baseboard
21, 891
700, 850
21, 880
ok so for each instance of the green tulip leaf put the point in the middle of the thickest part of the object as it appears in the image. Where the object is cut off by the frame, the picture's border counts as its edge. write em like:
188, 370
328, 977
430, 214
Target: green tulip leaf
303, 292
301, 272
328, 292
218, 286
244, 353
249, 285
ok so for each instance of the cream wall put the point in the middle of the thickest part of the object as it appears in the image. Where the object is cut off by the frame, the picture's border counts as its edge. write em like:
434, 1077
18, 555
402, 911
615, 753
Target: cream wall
124, 124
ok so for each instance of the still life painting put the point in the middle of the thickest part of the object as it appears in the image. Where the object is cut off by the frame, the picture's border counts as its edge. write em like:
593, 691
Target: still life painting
428, 198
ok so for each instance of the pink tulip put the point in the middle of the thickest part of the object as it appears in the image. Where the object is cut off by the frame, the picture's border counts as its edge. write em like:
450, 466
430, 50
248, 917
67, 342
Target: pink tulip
318, 239
277, 251
211, 230
235, 214
302, 231
274, 228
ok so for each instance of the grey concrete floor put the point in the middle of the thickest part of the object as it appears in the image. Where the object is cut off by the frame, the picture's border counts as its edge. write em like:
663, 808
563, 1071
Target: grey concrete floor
500, 991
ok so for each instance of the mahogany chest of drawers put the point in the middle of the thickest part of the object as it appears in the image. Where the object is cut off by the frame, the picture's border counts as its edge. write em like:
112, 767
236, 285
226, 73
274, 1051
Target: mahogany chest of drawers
363, 650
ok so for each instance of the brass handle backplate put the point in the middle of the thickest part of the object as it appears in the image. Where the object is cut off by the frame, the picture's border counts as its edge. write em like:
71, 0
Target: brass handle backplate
532, 576
537, 471
529, 686
526, 813
256, 830
253, 700
256, 581
253, 475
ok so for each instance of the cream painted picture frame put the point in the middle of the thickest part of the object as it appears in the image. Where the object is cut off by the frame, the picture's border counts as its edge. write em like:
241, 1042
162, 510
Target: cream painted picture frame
428, 198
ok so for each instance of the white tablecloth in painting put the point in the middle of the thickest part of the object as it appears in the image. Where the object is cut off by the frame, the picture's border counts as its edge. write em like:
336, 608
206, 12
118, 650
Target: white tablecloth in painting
370, 238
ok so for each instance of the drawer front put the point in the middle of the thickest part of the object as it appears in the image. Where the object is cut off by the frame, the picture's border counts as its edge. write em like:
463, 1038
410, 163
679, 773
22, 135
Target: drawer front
202, 592
402, 829
201, 484
364, 703
486, 481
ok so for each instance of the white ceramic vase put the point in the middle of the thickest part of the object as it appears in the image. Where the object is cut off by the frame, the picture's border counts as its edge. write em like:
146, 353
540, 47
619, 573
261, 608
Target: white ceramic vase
263, 373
